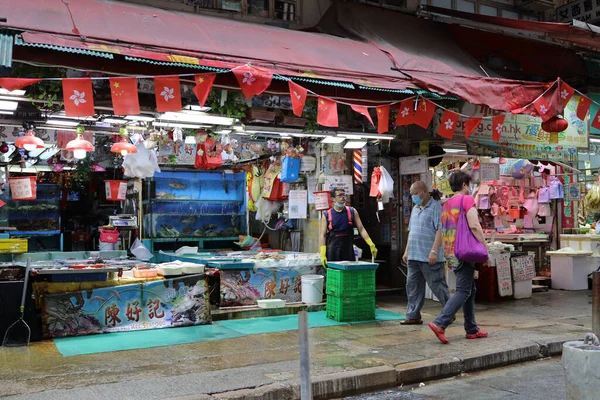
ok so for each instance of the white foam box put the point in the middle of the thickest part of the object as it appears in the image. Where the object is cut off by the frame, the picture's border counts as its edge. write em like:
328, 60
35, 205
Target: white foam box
270, 303
522, 289
569, 273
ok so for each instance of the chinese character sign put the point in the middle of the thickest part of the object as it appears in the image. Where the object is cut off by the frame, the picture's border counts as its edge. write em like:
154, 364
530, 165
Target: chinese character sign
159, 304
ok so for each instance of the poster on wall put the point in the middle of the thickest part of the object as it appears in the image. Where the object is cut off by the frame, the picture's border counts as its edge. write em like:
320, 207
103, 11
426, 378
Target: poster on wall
341, 182
298, 203
159, 304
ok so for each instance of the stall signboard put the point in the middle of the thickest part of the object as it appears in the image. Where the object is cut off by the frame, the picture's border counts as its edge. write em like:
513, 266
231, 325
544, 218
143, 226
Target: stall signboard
523, 268
504, 276
242, 287
149, 305
581, 10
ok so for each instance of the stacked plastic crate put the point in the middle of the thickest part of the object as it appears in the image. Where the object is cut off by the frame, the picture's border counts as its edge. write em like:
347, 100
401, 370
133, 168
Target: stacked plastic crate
351, 291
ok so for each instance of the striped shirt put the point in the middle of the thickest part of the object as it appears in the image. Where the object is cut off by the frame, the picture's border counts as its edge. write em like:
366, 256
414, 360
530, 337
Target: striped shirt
423, 226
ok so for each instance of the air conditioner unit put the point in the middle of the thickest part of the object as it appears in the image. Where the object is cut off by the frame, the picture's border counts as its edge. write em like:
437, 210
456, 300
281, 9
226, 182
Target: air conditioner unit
535, 5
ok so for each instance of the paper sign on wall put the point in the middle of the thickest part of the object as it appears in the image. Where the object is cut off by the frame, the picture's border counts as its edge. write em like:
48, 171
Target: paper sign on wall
413, 165
523, 268
489, 171
503, 271
340, 182
298, 201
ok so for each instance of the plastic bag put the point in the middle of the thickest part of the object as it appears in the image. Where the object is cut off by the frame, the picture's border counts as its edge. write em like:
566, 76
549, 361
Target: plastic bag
140, 251
290, 168
386, 185
375, 179
142, 164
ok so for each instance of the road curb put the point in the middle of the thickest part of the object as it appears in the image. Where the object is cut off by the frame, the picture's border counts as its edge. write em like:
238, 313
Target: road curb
350, 383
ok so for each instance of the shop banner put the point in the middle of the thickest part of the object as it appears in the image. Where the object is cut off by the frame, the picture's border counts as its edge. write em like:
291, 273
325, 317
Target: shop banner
158, 304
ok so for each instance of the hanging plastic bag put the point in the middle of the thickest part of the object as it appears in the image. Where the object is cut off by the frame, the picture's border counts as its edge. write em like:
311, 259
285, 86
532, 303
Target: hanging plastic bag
544, 195
484, 202
143, 164
556, 189
290, 169
386, 186
375, 179
140, 251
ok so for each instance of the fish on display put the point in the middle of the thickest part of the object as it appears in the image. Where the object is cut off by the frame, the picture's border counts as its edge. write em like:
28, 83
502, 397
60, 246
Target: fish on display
177, 185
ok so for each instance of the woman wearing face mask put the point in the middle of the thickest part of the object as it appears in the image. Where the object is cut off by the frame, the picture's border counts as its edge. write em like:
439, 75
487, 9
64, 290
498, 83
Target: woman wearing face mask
424, 255
337, 231
465, 271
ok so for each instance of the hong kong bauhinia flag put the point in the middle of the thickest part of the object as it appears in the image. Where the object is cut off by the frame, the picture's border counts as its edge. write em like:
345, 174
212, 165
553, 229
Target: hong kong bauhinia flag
327, 112
78, 97
543, 108
406, 113
253, 81
566, 92
383, 119
203, 86
167, 91
124, 94
497, 126
596, 120
298, 95
448, 124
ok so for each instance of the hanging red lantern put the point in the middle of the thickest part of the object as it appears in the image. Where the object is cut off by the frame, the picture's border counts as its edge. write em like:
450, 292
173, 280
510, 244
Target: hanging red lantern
555, 124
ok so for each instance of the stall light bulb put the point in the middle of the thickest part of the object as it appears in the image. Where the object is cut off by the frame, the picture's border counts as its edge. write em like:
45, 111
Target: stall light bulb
30, 147
124, 152
79, 154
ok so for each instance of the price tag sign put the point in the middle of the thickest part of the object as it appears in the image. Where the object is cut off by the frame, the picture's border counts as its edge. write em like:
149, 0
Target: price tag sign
523, 268
121, 191
504, 278
21, 188
322, 200
489, 171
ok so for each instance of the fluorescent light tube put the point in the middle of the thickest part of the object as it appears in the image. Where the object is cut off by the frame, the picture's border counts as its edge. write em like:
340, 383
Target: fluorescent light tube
61, 122
8, 105
454, 150
595, 140
311, 135
333, 140
198, 117
193, 107
176, 125
18, 92
355, 144
139, 118
114, 120
360, 136
13, 98
7, 112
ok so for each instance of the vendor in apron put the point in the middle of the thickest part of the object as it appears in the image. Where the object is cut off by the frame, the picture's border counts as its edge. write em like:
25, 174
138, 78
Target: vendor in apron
337, 231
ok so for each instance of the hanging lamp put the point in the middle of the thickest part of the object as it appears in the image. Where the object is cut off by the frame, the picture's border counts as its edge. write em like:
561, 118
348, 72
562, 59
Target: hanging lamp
79, 146
123, 146
29, 142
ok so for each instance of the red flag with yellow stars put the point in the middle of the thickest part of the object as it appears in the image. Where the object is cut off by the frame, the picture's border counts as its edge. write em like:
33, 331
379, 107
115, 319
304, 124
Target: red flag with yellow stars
448, 124
124, 96
596, 120
497, 126
11, 84
471, 124
78, 97
383, 119
203, 86
583, 106
364, 111
327, 112
167, 90
424, 113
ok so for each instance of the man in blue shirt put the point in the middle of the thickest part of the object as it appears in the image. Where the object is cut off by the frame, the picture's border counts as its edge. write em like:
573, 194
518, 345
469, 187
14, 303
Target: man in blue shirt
424, 254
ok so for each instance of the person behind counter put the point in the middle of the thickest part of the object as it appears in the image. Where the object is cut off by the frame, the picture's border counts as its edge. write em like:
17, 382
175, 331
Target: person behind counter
337, 231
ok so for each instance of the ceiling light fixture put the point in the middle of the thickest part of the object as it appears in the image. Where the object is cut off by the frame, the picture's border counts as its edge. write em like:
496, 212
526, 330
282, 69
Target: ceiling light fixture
61, 122
177, 125
198, 117
79, 146
355, 144
7, 112
29, 142
117, 121
140, 118
361, 136
193, 107
333, 140
18, 92
123, 146
8, 105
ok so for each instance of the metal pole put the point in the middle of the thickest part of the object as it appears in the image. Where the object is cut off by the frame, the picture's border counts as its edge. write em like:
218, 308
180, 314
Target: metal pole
596, 302
305, 384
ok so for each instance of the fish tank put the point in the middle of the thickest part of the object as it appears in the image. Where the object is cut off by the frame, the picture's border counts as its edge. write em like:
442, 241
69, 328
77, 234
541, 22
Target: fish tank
39, 215
195, 205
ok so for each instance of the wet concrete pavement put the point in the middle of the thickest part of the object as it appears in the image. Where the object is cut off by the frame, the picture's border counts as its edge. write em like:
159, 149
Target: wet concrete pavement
39, 371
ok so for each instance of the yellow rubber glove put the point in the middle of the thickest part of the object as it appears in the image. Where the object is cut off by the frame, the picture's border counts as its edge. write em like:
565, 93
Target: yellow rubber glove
372, 247
323, 252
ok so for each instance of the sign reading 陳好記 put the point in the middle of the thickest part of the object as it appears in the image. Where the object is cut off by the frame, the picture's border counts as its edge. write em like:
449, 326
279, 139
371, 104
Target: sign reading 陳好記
581, 10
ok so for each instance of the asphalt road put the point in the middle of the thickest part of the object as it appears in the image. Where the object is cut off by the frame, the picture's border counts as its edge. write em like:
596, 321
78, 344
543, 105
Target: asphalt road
538, 380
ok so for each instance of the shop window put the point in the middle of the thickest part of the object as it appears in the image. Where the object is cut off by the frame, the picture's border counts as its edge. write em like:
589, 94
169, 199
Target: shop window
258, 7
442, 3
509, 14
487, 10
465, 6
285, 10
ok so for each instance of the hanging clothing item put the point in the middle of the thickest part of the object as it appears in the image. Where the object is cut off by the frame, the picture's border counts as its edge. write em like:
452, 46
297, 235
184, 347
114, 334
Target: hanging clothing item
340, 234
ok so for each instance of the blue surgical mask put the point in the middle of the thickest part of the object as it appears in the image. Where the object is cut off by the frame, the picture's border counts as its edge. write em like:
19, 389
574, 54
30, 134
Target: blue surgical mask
340, 204
417, 199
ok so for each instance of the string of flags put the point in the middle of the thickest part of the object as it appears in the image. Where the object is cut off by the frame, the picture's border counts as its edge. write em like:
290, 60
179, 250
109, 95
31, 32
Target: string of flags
79, 102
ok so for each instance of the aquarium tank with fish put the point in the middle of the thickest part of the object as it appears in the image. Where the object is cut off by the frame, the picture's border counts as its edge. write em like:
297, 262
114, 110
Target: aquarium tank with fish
195, 205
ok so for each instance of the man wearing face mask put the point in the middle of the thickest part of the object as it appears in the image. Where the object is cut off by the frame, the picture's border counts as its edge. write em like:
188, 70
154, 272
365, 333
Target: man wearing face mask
337, 231
424, 254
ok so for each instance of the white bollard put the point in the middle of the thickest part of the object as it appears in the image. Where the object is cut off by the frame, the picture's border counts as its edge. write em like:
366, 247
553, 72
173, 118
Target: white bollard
581, 361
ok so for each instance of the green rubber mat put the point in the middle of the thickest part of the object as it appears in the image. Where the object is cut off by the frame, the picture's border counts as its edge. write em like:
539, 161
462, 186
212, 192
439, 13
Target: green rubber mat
117, 341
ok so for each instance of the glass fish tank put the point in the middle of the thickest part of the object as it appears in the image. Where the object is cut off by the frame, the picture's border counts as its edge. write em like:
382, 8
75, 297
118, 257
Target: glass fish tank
195, 205
39, 215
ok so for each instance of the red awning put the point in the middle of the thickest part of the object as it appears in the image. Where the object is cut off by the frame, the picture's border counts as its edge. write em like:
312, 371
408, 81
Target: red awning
574, 33
376, 55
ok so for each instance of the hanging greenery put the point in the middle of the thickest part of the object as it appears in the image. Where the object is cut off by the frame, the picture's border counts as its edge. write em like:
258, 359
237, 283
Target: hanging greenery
235, 105
310, 114
45, 95
80, 176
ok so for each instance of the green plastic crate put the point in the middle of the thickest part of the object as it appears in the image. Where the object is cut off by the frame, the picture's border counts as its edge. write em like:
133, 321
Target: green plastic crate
347, 309
350, 283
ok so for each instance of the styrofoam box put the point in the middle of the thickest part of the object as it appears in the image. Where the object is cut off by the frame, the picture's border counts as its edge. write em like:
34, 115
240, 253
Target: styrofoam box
522, 289
271, 303
569, 273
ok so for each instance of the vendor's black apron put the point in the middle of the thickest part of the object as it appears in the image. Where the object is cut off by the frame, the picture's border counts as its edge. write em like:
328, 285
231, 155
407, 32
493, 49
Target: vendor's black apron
340, 240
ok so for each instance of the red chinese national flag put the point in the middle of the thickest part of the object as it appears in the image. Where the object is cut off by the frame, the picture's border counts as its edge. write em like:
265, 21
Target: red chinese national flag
78, 97
543, 109
424, 113
298, 95
583, 106
383, 119
497, 126
167, 90
364, 111
566, 92
327, 112
448, 124
124, 96
203, 86
253, 81
596, 120
11, 84
471, 124
406, 113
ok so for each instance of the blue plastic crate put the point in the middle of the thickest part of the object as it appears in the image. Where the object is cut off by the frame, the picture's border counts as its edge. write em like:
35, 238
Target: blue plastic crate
352, 265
